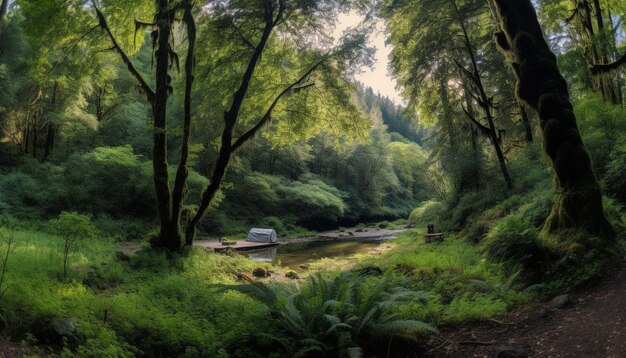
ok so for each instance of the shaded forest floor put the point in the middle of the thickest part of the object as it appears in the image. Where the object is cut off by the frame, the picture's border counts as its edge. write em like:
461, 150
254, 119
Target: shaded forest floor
593, 325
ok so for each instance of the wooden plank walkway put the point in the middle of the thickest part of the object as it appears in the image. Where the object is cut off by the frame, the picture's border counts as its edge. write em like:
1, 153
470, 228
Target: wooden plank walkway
239, 246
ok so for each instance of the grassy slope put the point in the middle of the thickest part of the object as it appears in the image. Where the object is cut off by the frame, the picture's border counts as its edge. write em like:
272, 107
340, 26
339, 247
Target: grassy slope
465, 286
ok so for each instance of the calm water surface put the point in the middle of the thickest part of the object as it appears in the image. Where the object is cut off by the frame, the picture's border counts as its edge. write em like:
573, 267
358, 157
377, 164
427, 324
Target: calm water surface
294, 254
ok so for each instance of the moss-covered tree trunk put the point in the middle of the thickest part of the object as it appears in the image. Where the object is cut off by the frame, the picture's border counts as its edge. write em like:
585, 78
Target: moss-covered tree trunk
540, 84
170, 235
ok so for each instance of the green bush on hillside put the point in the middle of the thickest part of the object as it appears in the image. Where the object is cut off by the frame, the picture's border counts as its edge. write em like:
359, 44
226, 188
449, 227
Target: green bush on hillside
514, 242
428, 212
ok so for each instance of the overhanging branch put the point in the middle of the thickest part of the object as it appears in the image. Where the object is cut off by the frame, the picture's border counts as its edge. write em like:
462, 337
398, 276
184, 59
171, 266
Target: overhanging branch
295, 86
133, 71
604, 68
485, 131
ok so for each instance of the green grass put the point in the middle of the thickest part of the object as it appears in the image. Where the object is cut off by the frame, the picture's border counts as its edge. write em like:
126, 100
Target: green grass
465, 286
154, 306
177, 306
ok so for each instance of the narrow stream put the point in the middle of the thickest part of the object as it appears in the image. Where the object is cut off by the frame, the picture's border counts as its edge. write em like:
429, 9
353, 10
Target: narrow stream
294, 254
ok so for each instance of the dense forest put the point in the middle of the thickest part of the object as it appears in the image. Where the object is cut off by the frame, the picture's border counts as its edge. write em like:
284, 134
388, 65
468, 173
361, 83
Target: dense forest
136, 134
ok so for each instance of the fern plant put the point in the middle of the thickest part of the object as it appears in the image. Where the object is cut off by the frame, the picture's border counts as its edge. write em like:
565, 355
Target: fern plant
346, 316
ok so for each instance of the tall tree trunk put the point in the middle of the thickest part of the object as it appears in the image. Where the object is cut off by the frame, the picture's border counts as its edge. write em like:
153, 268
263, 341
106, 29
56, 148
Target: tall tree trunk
35, 139
474, 175
484, 99
180, 184
4, 8
540, 84
595, 51
528, 129
50, 128
619, 82
49, 145
26, 135
169, 235
230, 120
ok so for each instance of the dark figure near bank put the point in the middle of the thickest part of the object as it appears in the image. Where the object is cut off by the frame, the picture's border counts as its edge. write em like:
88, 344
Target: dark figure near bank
430, 228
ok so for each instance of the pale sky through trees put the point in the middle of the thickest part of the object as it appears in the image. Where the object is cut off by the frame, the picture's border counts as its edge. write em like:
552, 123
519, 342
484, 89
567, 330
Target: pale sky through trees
378, 77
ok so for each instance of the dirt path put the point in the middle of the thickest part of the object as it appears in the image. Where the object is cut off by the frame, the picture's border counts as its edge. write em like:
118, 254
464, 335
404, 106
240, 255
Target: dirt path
594, 325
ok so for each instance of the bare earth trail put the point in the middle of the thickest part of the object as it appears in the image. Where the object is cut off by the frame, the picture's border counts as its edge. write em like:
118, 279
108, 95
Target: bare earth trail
594, 325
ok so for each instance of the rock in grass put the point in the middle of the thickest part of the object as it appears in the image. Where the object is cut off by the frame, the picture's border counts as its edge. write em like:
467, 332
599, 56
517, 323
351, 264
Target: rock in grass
561, 301
513, 352
261, 272
122, 256
57, 331
292, 275
543, 313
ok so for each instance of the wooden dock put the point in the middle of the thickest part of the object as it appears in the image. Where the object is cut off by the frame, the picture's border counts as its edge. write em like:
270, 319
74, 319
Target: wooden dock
239, 246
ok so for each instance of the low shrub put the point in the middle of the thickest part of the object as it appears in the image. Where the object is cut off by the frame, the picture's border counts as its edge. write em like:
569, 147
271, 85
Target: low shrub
428, 211
514, 242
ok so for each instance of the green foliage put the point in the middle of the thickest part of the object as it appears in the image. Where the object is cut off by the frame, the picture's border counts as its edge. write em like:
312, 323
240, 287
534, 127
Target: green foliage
464, 286
7, 242
73, 227
335, 317
615, 178
515, 242
602, 126
428, 212
580, 258
471, 205
152, 310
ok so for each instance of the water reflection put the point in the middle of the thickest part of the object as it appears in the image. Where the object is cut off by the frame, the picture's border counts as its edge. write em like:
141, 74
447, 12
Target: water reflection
294, 254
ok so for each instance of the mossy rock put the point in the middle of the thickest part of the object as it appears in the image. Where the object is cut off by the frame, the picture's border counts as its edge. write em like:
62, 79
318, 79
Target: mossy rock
292, 275
261, 272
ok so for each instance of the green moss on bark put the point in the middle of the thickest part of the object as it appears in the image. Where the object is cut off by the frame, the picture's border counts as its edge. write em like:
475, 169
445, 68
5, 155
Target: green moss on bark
578, 204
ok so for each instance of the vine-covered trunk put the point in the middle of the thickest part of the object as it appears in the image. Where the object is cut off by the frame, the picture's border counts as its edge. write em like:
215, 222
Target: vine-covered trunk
578, 204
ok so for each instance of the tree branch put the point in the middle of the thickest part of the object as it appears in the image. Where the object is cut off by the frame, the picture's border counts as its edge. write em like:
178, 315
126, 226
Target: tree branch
604, 68
486, 131
464, 70
133, 71
295, 86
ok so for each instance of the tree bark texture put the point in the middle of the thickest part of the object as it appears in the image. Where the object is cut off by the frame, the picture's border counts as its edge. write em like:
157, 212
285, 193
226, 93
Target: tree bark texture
578, 204
170, 236
180, 184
